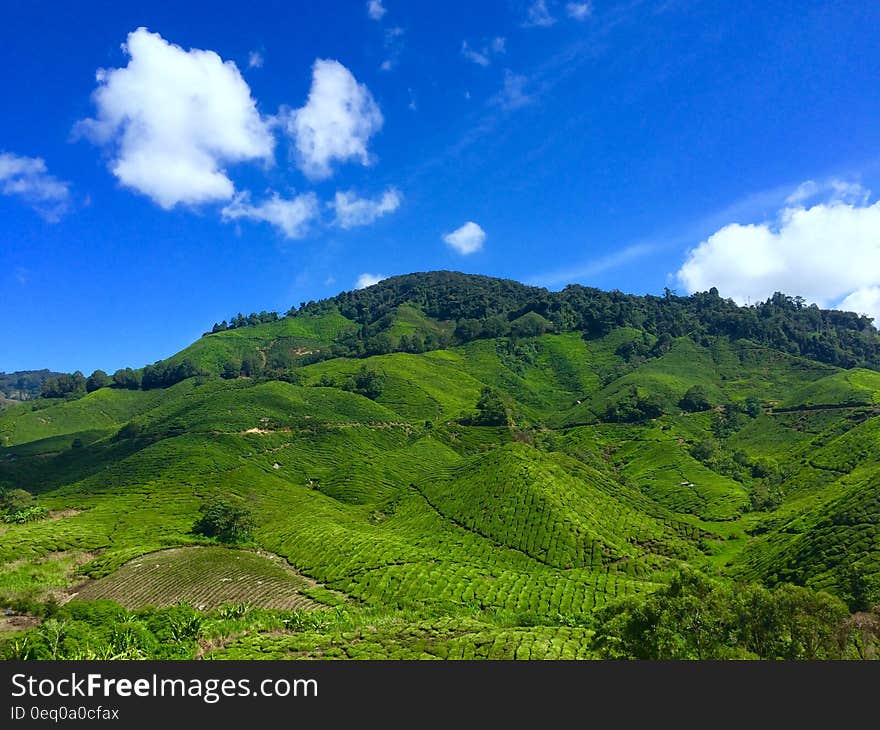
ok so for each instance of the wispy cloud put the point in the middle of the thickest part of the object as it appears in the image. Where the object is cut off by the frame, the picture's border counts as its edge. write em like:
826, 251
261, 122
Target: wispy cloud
393, 47
255, 59
538, 15
513, 94
595, 267
483, 56
28, 179
578, 11
375, 9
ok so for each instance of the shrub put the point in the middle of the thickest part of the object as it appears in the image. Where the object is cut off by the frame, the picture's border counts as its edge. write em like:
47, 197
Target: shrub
225, 521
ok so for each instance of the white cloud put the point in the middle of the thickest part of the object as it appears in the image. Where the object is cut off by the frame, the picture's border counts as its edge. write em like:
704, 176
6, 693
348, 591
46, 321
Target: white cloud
578, 11
365, 280
255, 59
375, 9
539, 15
292, 216
836, 190
353, 211
173, 118
483, 56
28, 178
864, 301
827, 252
479, 58
466, 240
512, 95
336, 123
386, 65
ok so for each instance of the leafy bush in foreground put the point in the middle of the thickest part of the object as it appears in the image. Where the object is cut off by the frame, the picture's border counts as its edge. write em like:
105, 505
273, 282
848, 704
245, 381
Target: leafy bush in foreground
696, 618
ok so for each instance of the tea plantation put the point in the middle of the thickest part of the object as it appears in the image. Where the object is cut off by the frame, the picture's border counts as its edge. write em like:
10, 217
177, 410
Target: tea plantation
399, 482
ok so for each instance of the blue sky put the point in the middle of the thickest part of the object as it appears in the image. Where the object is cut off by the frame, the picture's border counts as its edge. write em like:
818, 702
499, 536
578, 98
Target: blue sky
238, 157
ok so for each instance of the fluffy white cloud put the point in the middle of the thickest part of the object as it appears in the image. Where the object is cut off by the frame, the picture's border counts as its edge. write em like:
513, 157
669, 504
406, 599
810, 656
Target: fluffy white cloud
173, 118
365, 280
292, 216
336, 123
353, 211
466, 240
578, 11
375, 9
255, 59
864, 301
539, 15
28, 178
827, 252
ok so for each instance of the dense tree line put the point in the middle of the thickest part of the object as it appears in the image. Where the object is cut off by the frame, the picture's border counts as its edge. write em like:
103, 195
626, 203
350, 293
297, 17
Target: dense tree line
484, 307
479, 307
239, 320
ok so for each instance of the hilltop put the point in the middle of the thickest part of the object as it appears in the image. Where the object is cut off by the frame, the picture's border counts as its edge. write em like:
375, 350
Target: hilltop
448, 465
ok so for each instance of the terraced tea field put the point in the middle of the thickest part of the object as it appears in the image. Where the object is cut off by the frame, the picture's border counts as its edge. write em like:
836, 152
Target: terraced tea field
204, 577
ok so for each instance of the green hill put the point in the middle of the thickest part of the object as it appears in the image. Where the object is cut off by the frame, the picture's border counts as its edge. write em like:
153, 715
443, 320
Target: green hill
451, 466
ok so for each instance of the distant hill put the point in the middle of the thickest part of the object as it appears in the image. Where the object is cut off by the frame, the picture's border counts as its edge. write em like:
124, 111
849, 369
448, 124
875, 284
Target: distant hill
23, 384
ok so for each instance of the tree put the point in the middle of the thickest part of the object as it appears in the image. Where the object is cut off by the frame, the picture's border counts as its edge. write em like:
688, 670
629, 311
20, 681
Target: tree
634, 405
97, 380
367, 383
490, 409
231, 369
17, 500
703, 450
64, 385
380, 344
857, 588
225, 521
696, 399
494, 327
662, 345
130, 430
697, 618
127, 378
252, 365
530, 324
468, 329
752, 407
